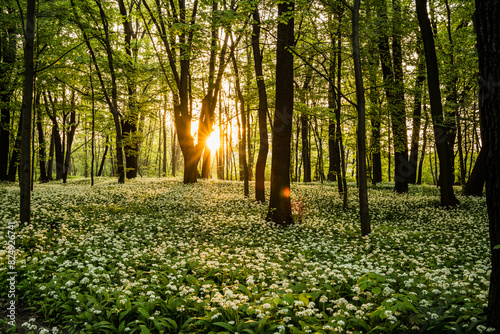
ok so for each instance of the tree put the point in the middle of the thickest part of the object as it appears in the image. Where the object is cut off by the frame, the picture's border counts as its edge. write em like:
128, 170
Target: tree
393, 81
440, 130
29, 74
260, 166
360, 98
417, 113
8, 50
304, 122
488, 47
477, 178
280, 210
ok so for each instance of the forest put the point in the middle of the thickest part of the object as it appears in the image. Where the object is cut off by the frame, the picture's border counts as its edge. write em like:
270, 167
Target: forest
254, 166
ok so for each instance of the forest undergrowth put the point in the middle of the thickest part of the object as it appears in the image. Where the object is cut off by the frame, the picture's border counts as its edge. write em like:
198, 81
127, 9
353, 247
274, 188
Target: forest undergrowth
158, 256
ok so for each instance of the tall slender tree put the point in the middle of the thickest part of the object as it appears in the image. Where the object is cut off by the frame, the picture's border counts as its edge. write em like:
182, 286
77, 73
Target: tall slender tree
440, 131
280, 210
260, 166
361, 140
27, 106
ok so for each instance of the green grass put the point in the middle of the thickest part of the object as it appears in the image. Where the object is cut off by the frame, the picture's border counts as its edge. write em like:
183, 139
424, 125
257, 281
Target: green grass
157, 256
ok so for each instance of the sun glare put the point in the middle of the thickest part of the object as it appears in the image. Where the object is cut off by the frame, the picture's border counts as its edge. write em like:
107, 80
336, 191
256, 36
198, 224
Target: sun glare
213, 141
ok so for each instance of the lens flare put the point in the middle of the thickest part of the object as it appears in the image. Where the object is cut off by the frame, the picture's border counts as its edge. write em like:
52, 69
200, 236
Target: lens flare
213, 142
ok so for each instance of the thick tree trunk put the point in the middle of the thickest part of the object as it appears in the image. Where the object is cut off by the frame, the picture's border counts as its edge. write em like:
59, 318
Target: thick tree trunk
131, 146
488, 46
129, 125
260, 166
440, 131
27, 106
280, 210
361, 140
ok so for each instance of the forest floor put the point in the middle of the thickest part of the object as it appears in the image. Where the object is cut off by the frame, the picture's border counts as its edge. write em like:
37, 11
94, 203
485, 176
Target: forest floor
158, 256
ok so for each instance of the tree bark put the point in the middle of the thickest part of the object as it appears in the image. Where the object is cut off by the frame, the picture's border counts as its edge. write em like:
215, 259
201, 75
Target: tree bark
243, 142
475, 183
417, 115
8, 60
488, 46
440, 131
424, 147
27, 106
69, 141
260, 166
129, 124
280, 211
41, 142
361, 140
101, 167
56, 135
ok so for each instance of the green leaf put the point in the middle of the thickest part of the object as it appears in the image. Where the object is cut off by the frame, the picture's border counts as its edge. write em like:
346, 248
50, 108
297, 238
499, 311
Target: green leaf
376, 290
496, 247
88, 316
172, 322
144, 330
143, 312
121, 327
225, 325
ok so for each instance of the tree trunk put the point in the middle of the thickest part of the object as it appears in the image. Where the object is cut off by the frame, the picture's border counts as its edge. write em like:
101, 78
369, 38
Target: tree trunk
402, 169
361, 140
101, 167
56, 135
424, 147
393, 82
51, 156
8, 50
304, 121
71, 135
440, 131
333, 142
375, 114
15, 156
488, 45
27, 105
280, 210
41, 142
306, 155
260, 166
417, 113
129, 125
243, 142
475, 183
342, 182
